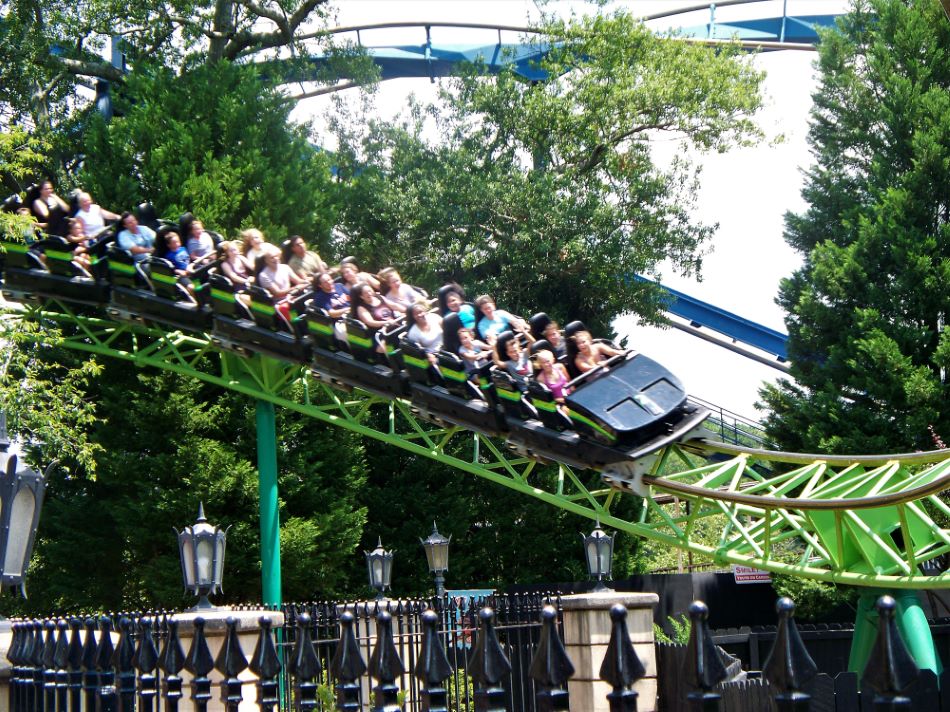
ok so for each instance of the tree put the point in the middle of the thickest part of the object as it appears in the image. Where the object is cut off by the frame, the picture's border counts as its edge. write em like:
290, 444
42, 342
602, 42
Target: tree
866, 311
546, 193
166, 442
500, 538
216, 141
49, 48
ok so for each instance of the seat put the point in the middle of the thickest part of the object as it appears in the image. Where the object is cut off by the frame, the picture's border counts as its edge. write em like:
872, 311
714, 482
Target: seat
569, 332
362, 341
322, 328
416, 363
539, 345
12, 203
264, 312
20, 256
161, 249
454, 377
145, 214
546, 407
123, 269
184, 226
510, 399
165, 282
224, 301
538, 323
60, 257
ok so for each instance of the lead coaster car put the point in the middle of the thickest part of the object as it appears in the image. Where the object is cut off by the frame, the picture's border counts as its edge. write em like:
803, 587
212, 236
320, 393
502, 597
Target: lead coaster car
624, 409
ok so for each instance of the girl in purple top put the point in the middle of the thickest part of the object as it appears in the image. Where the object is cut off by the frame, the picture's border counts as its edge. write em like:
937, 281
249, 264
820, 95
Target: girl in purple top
553, 375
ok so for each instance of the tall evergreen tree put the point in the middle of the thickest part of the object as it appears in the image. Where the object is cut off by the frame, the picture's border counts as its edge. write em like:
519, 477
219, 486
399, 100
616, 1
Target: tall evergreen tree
866, 311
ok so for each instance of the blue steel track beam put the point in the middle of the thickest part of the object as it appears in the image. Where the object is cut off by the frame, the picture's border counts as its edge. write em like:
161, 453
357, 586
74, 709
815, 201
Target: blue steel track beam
702, 314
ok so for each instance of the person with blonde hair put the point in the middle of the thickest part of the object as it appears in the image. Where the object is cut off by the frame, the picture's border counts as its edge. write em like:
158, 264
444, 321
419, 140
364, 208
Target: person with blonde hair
401, 296
253, 243
235, 266
590, 353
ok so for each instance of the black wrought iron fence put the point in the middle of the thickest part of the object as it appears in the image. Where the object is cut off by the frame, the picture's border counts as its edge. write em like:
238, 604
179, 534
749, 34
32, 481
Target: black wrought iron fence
74, 666
517, 624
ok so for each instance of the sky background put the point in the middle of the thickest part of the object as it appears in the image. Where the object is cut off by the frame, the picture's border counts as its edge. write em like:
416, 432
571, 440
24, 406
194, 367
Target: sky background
746, 191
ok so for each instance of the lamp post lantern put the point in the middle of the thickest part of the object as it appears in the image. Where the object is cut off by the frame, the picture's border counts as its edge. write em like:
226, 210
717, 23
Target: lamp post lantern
201, 547
437, 555
379, 565
598, 554
21, 499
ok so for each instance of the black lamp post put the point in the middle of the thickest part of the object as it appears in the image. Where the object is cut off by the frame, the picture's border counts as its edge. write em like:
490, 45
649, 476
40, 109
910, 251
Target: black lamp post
599, 553
21, 499
437, 554
379, 565
202, 558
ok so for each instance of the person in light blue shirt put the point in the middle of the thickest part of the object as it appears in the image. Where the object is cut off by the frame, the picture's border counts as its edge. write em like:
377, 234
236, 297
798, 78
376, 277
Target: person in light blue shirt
137, 240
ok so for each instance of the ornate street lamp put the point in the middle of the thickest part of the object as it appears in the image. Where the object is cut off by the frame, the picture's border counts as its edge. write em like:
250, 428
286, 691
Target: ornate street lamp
201, 547
437, 554
21, 499
599, 553
379, 565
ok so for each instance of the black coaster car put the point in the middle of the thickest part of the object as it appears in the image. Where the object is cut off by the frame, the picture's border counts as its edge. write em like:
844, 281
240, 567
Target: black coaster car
149, 291
250, 322
46, 269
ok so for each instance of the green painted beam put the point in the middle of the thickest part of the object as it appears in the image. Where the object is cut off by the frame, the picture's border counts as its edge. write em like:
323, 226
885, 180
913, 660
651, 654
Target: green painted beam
763, 518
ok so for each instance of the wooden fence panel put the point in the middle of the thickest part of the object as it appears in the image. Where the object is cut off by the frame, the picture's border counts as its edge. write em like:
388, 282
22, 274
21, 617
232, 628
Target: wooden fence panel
846, 692
822, 692
747, 696
925, 694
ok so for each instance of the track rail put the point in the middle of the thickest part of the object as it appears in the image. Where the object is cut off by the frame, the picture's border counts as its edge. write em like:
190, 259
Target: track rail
861, 520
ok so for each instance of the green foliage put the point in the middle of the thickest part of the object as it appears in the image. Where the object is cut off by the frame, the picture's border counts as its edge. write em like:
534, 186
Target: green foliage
499, 537
866, 311
50, 47
23, 158
217, 142
46, 404
813, 599
461, 687
546, 194
679, 628
166, 442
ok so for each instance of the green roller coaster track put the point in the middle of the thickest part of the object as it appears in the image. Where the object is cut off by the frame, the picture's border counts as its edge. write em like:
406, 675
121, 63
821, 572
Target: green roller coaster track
868, 521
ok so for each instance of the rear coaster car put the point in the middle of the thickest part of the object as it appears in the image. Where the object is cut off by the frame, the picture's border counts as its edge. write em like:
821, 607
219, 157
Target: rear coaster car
46, 269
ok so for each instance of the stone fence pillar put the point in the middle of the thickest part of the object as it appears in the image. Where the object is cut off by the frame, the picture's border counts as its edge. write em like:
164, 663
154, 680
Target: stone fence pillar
587, 629
248, 628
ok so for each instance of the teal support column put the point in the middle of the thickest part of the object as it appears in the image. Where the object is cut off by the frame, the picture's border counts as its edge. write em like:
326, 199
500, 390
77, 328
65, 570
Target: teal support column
267, 493
911, 623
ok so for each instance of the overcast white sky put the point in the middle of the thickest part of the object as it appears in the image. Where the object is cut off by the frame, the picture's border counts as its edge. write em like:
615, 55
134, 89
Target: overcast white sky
746, 191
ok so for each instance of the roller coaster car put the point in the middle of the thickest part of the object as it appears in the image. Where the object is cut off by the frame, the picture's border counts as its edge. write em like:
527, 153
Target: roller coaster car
445, 393
47, 269
257, 325
623, 410
149, 291
357, 363
633, 404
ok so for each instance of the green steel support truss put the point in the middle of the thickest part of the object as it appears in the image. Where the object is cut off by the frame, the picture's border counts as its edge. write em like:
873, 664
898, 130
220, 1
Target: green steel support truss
860, 521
